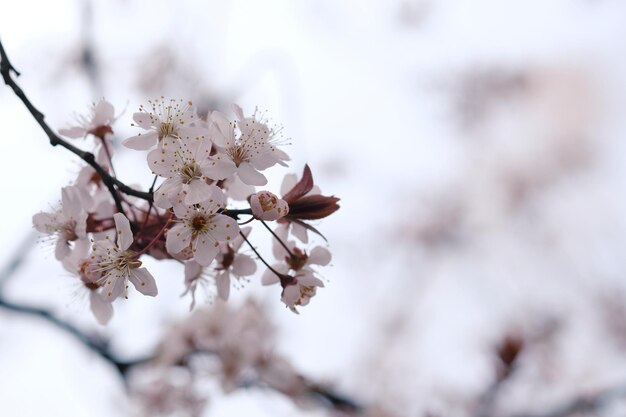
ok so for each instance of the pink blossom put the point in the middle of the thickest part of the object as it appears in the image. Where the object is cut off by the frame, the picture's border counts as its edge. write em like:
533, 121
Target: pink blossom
187, 167
164, 119
229, 262
80, 264
266, 206
297, 264
67, 224
202, 227
248, 146
118, 265
98, 122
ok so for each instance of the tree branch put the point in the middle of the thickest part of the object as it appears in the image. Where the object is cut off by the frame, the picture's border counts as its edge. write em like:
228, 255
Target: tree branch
110, 182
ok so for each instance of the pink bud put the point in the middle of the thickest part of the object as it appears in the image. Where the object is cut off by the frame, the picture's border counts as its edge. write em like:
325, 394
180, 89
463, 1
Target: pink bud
266, 206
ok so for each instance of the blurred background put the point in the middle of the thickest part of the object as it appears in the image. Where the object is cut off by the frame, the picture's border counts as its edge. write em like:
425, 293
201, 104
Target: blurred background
478, 150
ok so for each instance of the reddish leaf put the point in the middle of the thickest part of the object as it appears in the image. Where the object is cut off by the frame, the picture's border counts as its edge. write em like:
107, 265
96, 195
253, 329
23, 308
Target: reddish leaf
301, 188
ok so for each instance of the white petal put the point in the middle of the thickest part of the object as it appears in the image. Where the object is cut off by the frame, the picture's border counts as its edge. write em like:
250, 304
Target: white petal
300, 232
309, 280
291, 294
243, 265
225, 228
62, 249
192, 271
73, 132
161, 162
70, 201
124, 234
141, 142
103, 113
143, 120
222, 281
115, 285
205, 251
143, 281
319, 256
269, 277
44, 222
249, 175
197, 192
101, 309
218, 168
177, 239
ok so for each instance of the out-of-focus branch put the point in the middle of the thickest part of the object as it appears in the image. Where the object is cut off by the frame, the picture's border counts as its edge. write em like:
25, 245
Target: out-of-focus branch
584, 404
95, 346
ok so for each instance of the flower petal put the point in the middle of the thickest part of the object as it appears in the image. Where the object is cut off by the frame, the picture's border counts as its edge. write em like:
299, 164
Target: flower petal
197, 192
73, 132
319, 256
249, 175
177, 239
144, 120
124, 234
103, 113
143, 281
225, 228
222, 281
243, 265
101, 309
141, 142
205, 251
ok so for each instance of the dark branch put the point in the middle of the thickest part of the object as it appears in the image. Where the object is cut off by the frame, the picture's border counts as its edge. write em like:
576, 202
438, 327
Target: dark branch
110, 182
91, 344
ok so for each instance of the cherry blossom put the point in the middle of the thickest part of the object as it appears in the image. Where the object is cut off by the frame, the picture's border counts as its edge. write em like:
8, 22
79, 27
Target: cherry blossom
248, 145
98, 122
229, 262
67, 224
187, 167
298, 265
80, 264
202, 227
118, 265
266, 206
164, 119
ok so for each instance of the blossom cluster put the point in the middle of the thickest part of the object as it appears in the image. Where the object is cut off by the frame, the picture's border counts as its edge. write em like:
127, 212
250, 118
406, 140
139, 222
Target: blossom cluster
206, 172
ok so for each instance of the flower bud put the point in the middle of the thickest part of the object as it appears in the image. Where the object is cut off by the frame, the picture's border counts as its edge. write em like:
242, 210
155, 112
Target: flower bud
266, 206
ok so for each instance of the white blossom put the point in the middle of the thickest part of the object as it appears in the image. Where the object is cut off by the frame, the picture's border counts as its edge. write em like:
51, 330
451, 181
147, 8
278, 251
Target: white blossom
202, 227
248, 146
164, 119
118, 265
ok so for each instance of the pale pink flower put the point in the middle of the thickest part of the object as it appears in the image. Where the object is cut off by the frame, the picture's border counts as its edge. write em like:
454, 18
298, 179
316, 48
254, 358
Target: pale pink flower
248, 145
118, 265
266, 206
229, 262
298, 265
164, 119
202, 227
187, 167
80, 264
67, 224
98, 122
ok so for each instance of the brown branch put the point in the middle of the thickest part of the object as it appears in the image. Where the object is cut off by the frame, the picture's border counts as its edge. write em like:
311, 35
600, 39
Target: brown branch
110, 182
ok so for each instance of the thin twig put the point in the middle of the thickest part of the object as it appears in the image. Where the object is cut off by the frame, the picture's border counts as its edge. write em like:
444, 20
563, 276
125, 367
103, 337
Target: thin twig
277, 238
110, 182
